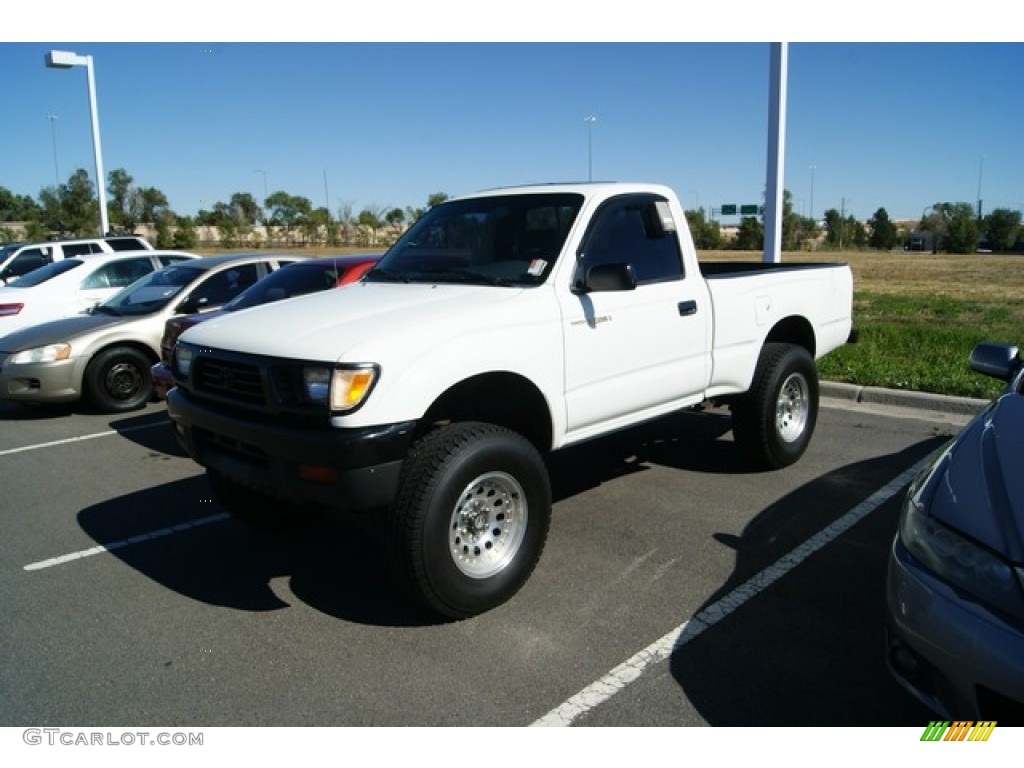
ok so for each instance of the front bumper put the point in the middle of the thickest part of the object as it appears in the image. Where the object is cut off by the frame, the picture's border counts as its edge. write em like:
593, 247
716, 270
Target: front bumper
950, 652
354, 469
55, 382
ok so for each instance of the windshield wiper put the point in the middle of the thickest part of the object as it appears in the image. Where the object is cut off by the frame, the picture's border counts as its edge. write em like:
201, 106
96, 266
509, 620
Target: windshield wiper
387, 276
100, 309
466, 276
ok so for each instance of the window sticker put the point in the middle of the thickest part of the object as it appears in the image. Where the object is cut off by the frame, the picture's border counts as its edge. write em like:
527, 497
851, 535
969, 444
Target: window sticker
537, 267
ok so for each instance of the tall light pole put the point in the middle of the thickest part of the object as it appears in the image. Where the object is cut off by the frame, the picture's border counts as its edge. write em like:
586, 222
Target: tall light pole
264, 184
981, 167
66, 60
590, 120
53, 130
813, 169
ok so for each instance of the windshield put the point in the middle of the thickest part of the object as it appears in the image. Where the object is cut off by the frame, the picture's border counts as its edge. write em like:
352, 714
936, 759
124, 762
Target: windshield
508, 240
293, 280
42, 274
150, 293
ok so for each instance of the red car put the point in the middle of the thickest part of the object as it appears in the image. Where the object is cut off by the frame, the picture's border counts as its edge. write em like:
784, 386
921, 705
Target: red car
297, 279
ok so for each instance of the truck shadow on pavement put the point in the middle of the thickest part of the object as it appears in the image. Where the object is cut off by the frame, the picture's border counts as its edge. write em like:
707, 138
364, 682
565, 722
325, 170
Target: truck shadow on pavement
336, 564
809, 649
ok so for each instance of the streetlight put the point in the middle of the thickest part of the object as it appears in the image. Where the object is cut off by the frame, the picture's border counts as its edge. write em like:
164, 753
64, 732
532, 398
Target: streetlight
53, 130
813, 169
66, 60
590, 120
981, 167
264, 185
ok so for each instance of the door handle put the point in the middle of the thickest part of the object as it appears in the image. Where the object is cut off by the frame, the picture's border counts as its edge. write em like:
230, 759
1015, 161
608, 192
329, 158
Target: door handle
687, 308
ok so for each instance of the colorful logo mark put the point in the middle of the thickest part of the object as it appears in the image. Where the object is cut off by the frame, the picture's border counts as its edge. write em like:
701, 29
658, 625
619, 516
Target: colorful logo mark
959, 730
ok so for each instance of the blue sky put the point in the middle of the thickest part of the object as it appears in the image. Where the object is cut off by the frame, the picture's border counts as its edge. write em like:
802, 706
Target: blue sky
892, 125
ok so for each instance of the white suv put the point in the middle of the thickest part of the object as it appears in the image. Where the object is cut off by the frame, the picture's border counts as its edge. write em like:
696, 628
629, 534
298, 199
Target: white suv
17, 259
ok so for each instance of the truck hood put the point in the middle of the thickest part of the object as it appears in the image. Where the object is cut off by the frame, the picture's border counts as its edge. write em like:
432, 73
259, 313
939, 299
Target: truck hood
329, 325
977, 485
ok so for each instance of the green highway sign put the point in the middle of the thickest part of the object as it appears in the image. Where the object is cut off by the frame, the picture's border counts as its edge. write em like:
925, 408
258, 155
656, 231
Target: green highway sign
748, 210
728, 210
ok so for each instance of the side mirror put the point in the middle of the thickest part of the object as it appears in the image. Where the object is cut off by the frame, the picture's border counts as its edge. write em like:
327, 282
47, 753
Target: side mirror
607, 277
995, 359
191, 304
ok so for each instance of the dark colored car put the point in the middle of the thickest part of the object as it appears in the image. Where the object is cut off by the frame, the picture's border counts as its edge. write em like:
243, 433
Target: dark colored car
298, 279
955, 584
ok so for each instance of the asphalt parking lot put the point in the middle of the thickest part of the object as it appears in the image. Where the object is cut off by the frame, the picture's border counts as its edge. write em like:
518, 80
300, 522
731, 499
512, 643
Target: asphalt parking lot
677, 589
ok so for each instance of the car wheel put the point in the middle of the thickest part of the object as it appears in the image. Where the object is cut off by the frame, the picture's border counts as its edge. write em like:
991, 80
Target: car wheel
118, 379
470, 518
259, 511
774, 421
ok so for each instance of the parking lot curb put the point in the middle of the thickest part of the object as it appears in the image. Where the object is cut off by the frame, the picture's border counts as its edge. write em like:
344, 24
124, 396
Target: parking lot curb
925, 401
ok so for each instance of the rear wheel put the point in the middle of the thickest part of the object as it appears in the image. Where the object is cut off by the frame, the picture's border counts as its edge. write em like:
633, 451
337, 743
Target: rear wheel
774, 421
118, 379
470, 519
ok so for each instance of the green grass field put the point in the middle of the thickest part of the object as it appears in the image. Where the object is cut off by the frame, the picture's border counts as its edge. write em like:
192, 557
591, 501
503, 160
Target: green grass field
919, 315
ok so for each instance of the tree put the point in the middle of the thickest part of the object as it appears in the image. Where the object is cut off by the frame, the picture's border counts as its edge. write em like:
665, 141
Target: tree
953, 227
287, 211
346, 220
706, 234
1002, 227
17, 207
372, 218
247, 208
750, 236
71, 208
185, 235
883, 232
119, 186
436, 199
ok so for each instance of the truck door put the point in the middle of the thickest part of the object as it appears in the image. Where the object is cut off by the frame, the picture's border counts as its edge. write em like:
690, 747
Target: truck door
637, 345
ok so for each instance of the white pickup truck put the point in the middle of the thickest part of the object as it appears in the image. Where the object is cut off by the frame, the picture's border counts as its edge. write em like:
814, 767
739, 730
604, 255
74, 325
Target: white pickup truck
500, 326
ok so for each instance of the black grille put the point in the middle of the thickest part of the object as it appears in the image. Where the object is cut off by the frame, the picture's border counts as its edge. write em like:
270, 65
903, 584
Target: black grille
235, 381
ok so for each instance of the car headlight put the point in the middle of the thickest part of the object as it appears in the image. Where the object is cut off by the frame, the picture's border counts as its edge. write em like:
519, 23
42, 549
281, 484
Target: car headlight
342, 388
182, 360
960, 561
48, 354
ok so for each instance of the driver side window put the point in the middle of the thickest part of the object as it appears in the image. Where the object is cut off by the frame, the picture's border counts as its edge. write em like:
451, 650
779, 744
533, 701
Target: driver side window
627, 232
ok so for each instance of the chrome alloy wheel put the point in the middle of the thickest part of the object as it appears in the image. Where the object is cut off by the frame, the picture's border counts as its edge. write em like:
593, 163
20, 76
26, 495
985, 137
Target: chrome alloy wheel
793, 407
488, 525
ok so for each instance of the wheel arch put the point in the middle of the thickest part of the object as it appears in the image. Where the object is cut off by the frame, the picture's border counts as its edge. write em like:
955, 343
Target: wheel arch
794, 330
503, 398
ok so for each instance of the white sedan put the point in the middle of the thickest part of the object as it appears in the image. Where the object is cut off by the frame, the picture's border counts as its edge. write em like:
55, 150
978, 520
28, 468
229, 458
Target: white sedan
70, 286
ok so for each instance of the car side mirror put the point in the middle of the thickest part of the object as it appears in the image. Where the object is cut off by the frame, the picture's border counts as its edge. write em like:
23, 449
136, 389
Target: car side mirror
995, 359
616, 276
191, 305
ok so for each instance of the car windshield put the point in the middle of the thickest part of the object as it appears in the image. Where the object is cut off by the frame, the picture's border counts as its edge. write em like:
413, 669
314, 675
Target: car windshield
504, 240
151, 293
41, 275
293, 280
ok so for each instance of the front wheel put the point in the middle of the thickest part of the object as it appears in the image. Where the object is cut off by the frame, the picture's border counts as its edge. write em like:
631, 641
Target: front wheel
470, 519
773, 422
118, 380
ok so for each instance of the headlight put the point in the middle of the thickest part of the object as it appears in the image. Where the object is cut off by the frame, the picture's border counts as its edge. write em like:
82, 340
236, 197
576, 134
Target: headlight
342, 389
182, 360
47, 354
959, 561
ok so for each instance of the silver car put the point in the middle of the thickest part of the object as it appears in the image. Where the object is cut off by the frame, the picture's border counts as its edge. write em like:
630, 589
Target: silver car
105, 356
955, 585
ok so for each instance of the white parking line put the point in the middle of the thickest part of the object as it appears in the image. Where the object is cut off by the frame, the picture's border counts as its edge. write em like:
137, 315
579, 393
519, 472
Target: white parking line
53, 443
111, 546
630, 670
